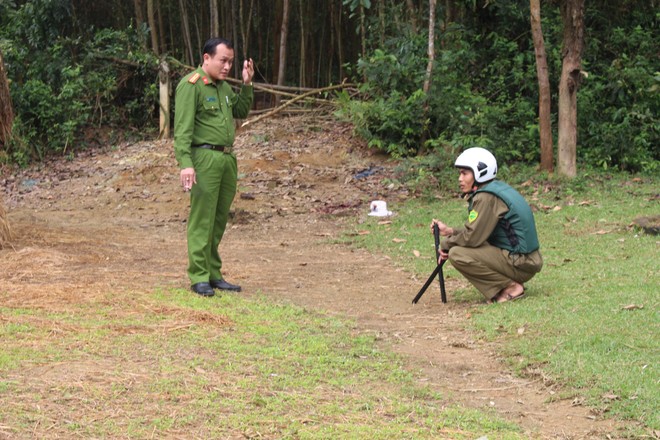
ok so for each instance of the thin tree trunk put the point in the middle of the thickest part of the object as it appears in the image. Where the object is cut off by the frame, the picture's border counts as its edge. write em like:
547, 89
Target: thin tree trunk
450, 17
161, 29
187, 41
381, 19
164, 95
214, 19
429, 69
431, 48
6, 107
198, 36
245, 26
331, 46
412, 14
302, 60
450, 12
394, 7
545, 120
340, 43
151, 17
139, 20
572, 12
238, 66
363, 33
6, 121
284, 30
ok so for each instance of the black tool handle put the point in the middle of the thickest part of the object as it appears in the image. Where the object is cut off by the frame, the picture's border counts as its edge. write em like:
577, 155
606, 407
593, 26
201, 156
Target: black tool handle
427, 284
436, 236
441, 276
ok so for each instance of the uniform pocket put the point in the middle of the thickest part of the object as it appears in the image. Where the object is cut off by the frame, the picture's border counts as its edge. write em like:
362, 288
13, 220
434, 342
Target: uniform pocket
531, 263
211, 104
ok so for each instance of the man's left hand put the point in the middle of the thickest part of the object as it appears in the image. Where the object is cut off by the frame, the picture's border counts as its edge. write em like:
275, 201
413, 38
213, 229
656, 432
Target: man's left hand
248, 71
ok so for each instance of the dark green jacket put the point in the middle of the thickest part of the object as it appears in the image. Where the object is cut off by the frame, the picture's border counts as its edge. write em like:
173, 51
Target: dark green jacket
516, 231
205, 113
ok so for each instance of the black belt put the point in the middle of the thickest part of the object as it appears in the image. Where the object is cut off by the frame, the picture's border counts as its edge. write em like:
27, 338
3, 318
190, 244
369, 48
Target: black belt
210, 147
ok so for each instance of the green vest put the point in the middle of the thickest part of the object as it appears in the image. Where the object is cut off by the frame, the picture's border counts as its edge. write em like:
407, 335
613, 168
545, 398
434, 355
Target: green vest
516, 231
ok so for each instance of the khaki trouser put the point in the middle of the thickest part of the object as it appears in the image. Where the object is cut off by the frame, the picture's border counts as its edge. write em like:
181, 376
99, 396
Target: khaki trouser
491, 269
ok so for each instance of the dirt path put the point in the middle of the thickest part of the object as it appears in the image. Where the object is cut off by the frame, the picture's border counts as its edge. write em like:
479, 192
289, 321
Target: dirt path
118, 219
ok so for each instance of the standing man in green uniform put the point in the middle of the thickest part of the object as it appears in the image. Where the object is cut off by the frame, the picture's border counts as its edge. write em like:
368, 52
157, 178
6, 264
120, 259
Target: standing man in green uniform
498, 248
206, 107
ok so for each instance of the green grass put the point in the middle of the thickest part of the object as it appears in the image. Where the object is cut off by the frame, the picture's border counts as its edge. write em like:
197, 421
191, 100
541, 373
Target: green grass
176, 365
591, 319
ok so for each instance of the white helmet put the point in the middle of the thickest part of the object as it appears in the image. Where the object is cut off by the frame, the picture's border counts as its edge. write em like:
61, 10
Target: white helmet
481, 161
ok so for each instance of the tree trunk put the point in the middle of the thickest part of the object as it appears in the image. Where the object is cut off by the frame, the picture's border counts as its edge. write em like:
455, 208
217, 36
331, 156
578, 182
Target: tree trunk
6, 108
5, 230
164, 94
284, 30
363, 33
450, 12
238, 66
151, 18
214, 19
303, 55
139, 19
340, 43
187, 41
413, 15
245, 27
431, 48
545, 120
162, 33
429, 72
572, 12
381, 20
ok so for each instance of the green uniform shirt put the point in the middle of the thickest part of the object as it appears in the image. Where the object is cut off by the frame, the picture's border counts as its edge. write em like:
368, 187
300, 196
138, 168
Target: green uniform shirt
205, 112
479, 227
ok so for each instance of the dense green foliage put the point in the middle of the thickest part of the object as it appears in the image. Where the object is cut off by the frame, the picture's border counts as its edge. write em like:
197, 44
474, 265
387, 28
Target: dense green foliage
485, 90
75, 71
67, 88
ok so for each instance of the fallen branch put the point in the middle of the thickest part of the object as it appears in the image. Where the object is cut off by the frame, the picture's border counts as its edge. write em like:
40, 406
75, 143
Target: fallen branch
294, 100
297, 111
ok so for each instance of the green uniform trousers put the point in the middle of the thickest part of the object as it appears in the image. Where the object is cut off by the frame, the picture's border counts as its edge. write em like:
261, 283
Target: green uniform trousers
210, 199
491, 269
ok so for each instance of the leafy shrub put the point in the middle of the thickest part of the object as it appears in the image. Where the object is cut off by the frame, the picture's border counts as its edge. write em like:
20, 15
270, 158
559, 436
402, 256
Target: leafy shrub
463, 109
71, 85
619, 106
485, 91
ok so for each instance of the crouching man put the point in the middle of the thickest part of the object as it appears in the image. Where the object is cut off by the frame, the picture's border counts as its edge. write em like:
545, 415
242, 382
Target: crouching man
497, 250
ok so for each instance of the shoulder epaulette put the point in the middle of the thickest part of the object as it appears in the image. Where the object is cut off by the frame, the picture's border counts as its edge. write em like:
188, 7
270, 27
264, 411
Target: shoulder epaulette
193, 79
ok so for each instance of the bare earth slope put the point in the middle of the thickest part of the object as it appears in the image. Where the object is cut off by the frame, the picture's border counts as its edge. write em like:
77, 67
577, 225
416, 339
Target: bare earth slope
117, 219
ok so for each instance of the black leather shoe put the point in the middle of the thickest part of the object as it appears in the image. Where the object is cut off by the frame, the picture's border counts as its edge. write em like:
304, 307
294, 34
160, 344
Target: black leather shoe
203, 289
224, 285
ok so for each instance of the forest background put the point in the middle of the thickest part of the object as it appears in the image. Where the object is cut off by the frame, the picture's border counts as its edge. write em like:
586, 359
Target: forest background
81, 74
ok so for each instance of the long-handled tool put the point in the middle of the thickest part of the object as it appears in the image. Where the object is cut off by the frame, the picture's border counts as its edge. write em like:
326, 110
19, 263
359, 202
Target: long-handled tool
436, 271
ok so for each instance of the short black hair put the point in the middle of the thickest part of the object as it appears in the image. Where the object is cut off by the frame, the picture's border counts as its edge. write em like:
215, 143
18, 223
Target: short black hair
211, 45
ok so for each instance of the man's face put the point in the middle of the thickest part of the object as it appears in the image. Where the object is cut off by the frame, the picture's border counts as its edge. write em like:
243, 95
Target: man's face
219, 65
465, 180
